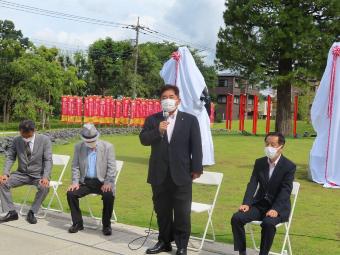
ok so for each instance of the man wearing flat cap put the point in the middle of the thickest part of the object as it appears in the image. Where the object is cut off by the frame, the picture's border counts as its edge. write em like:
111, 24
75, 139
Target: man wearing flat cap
93, 171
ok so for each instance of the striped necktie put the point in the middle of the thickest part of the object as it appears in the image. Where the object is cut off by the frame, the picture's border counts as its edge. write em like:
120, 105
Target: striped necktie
28, 150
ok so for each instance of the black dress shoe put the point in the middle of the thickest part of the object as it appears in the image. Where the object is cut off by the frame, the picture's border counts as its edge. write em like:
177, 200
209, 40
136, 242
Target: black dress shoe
31, 218
12, 215
107, 231
181, 252
75, 228
159, 247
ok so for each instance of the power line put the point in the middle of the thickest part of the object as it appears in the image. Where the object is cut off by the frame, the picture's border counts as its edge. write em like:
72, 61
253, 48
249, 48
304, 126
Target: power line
65, 16
170, 37
60, 15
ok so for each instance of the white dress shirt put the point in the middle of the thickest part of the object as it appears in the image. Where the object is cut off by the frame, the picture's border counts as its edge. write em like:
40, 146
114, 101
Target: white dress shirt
170, 128
272, 166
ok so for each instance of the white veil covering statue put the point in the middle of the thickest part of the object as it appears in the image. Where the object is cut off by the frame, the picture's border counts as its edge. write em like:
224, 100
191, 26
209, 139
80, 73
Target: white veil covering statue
181, 70
325, 114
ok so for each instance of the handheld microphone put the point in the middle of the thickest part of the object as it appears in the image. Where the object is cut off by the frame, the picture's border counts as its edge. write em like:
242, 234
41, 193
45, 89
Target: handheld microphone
166, 115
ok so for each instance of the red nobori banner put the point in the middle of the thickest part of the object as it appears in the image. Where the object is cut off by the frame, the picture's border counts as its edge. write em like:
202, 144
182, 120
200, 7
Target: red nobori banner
64, 108
70, 110
118, 112
107, 111
78, 109
102, 105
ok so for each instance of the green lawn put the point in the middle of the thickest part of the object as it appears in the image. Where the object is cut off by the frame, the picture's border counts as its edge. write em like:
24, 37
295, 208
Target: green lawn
316, 224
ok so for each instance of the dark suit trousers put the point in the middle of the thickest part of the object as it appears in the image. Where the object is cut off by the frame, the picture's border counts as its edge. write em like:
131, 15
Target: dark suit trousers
172, 205
256, 212
90, 186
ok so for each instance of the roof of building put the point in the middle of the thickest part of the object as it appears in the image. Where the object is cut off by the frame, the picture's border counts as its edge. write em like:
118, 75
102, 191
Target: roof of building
228, 72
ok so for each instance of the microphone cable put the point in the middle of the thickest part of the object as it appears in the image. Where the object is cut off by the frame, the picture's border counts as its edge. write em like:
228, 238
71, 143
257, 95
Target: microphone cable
148, 232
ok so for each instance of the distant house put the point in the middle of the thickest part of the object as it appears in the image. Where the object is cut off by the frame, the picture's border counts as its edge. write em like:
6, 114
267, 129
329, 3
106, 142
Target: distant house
232, 83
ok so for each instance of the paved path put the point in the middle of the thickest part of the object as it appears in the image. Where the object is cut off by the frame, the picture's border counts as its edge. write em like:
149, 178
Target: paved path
50, 236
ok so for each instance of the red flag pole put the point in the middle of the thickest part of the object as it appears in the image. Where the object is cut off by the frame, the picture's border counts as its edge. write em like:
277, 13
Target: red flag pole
269, 103
231, 103
255, 114
229, 111
212, 114
296, 98
242, 112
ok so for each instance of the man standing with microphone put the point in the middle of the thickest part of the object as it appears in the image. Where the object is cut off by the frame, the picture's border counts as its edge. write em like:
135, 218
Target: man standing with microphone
175, 160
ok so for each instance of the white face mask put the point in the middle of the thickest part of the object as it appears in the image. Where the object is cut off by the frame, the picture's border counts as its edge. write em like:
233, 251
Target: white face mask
169, 105
27, 140
91, 145
271, 152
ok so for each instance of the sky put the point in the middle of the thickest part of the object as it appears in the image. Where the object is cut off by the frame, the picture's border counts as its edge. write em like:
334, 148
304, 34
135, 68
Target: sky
188, 21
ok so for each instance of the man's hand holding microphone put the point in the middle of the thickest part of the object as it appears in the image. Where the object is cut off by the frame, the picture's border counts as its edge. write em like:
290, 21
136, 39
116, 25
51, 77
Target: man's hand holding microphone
163, 125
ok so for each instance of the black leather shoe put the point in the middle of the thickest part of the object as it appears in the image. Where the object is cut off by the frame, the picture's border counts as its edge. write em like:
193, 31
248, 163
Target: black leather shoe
181, 252
12, 215
107, 231
75, 228
159, 247
31, 218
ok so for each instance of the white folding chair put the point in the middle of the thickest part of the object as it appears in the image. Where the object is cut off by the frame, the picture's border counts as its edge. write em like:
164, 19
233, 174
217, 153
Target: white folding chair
207, 178
58, 160
286, 241
119, 166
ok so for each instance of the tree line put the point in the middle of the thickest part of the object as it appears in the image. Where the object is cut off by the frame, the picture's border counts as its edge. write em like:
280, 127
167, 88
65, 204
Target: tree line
33, 79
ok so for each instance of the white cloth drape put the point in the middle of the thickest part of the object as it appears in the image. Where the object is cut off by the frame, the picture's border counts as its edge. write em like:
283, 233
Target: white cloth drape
328, 129
191, 83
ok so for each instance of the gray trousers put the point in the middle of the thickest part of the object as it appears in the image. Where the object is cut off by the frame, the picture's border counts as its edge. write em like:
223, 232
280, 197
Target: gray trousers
18, 179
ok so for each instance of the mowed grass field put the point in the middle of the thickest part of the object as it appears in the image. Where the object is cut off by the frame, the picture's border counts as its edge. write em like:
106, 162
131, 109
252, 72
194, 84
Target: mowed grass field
316, 224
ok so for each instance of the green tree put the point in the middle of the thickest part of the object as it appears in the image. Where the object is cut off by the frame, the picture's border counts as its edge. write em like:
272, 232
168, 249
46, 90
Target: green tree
110, 68
84, 70
279, 43
305, 103
151, 59
12, 46
79, 61
107, 58
41, 81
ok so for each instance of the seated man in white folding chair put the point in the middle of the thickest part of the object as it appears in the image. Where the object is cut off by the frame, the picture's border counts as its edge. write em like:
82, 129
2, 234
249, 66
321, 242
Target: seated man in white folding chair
273, 175
34, 154
93, 171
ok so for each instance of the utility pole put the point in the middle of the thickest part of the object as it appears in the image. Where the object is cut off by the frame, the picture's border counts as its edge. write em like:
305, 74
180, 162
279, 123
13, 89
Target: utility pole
134, 88
138, 29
